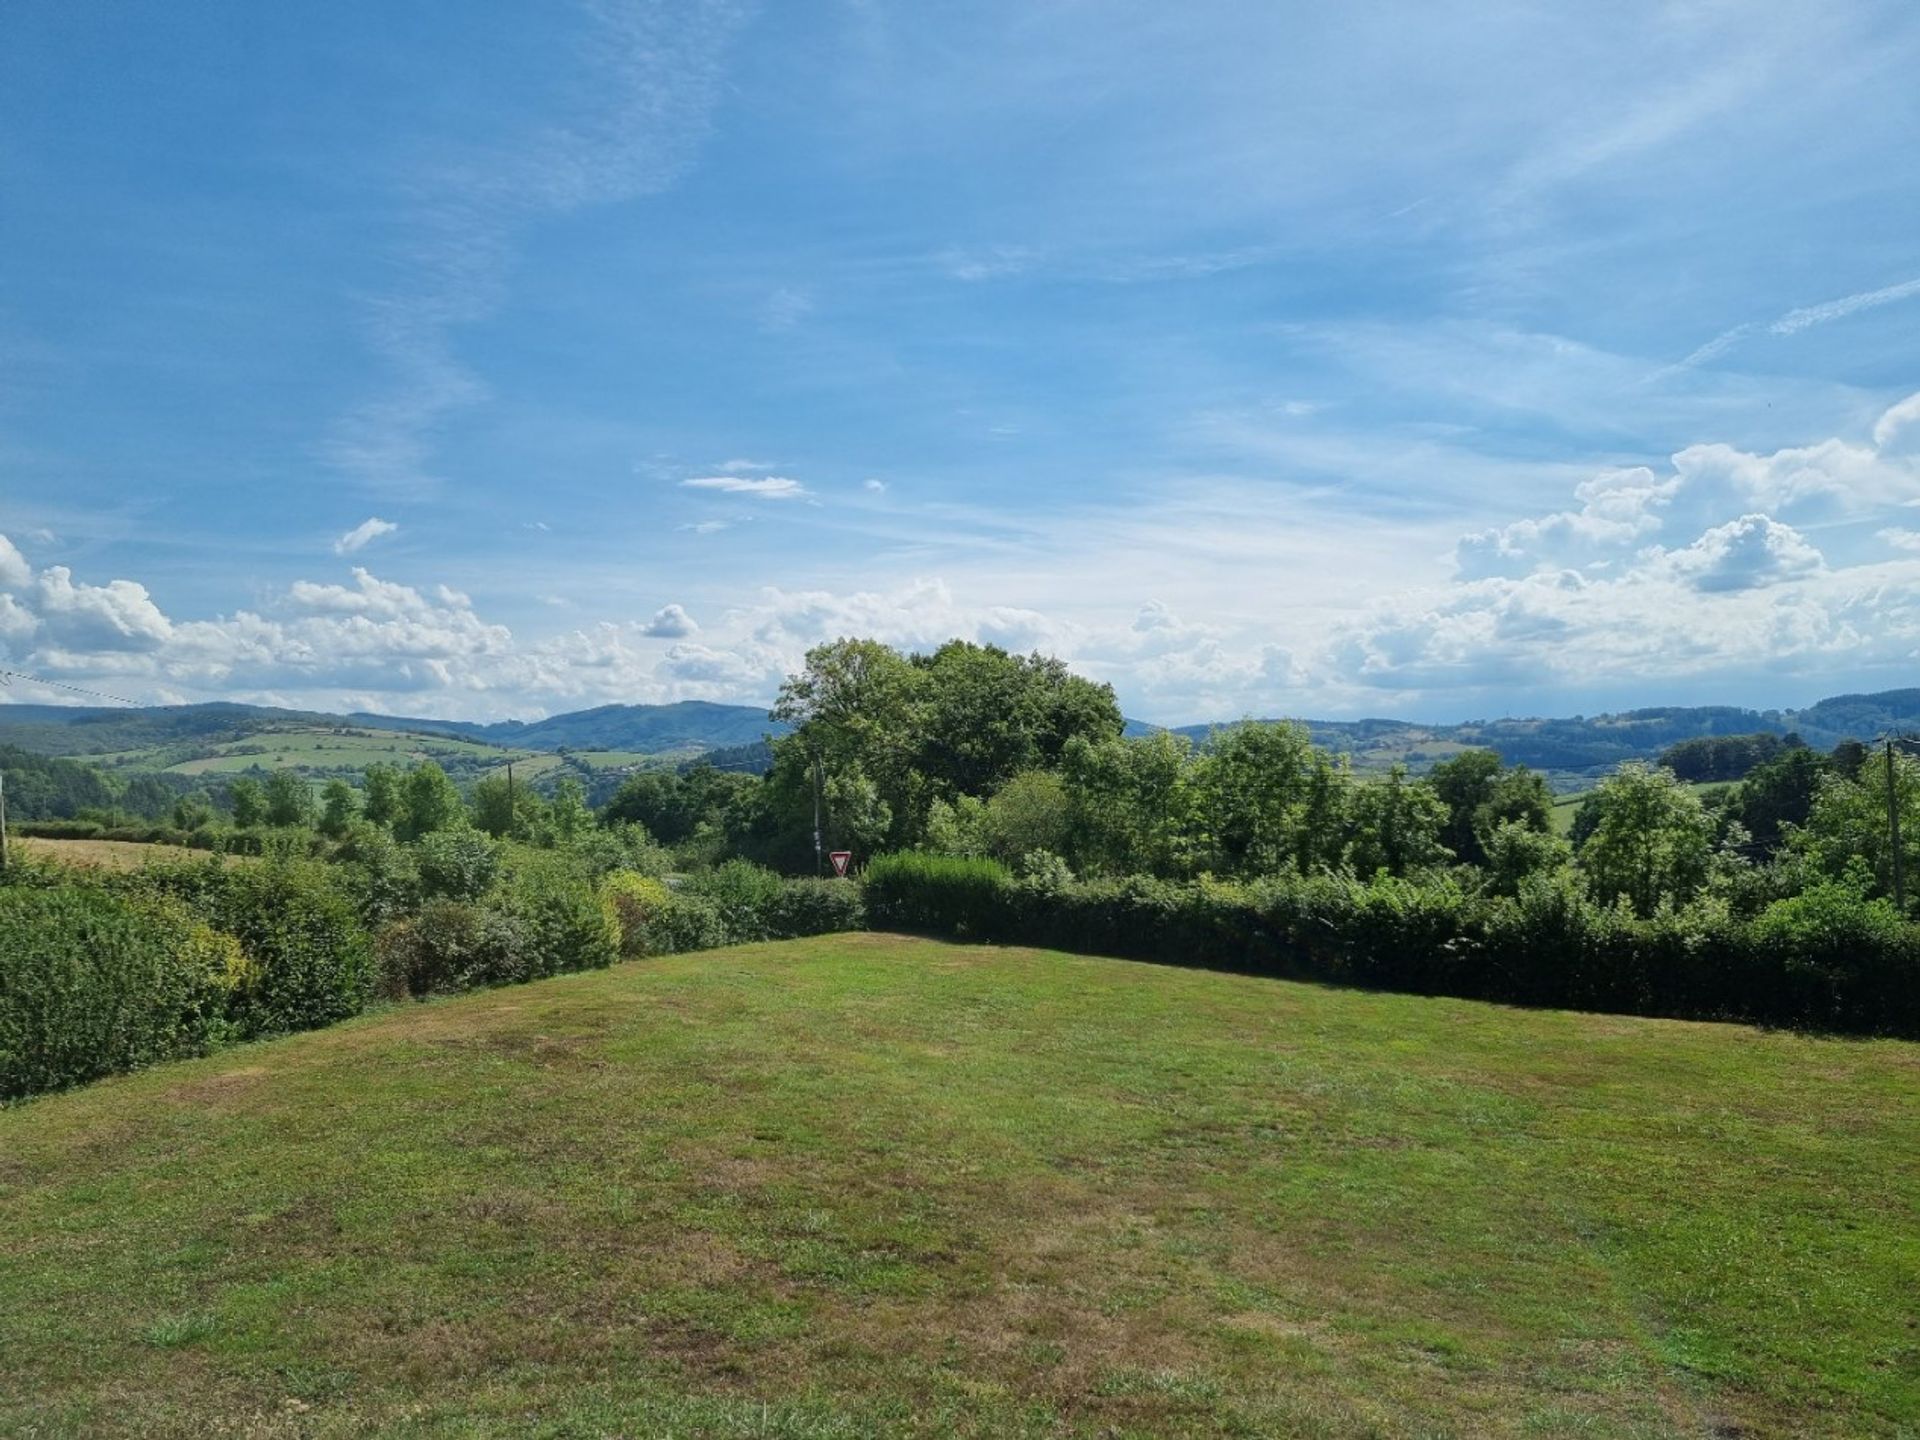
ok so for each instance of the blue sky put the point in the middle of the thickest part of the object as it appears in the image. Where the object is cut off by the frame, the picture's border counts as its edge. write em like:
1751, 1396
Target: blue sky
495, 359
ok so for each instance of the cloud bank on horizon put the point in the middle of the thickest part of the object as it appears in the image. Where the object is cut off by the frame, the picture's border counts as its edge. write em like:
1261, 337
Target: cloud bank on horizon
1252, 358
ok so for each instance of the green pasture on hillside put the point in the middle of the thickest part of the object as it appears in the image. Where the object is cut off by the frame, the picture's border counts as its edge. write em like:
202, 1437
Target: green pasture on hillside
872, 1186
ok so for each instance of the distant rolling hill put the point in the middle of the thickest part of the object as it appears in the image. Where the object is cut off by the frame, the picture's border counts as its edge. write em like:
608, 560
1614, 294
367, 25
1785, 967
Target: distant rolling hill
226, 738
215, 741
646, 728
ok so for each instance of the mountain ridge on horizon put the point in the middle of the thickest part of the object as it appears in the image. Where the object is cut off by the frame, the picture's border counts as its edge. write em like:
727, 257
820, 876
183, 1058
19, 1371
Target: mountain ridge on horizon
1565, 747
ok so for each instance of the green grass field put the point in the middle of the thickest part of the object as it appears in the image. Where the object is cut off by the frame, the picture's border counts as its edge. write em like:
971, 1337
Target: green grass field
328, 750
868, 1186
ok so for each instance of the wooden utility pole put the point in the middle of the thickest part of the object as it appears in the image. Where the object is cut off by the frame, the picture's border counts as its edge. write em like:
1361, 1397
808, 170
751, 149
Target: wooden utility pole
3, 820
1893, 827
819, 850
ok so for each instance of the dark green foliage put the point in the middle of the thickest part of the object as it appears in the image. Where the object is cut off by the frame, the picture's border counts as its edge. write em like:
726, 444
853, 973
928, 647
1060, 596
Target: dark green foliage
380, 874
339, 808
1837, 962
685, 922
742, 894
429, 799
456, 864
1724, 757
39, 788
940, 894
289, 799
192, 812
1849, 757
566, 924
93, 982
451, 945
1480, 795
1841, 955
814, 907
249, 802
1780, 793
297, 924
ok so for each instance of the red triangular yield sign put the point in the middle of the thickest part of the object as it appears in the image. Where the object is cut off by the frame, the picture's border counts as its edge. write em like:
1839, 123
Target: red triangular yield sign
841, 859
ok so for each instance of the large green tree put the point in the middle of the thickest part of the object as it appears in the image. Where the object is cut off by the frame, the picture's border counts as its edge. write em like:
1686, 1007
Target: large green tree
891, 733
1130, 804
1652, 839
1251, 789
1852, 821
1395, 826
289, 798
1481, 794
432, 802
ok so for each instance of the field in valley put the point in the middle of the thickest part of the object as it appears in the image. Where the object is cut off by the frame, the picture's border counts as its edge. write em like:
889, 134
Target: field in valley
107, 854
872, 1186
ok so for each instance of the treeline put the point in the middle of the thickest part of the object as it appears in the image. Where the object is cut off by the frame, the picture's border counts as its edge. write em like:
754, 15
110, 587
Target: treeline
1003, 801
42, 787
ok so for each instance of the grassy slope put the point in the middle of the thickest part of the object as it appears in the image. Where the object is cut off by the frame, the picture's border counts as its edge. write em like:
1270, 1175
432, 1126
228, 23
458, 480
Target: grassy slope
864, 1185
107, 854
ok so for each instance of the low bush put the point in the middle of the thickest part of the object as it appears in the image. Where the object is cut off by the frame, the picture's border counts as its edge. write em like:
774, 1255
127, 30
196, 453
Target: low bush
95, 982
456, 864
638, 903
941, 894
743, 893
567, 924
453, 945
688, 922
1848, 959
1827, 957
814, 907
298, 926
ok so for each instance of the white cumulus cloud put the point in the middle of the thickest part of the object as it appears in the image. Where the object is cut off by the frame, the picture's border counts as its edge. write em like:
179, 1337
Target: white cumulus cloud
670, 622
363, 535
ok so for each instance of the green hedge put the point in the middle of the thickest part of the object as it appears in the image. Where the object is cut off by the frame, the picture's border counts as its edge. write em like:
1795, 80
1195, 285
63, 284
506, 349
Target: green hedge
297, 923
1828, 958
93, 982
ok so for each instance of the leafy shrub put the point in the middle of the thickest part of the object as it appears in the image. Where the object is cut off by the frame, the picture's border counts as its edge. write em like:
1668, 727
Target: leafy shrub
941, 894
638, 902
456, 864
687, 922
813, 907
743, 893
452, 945
1848, 960
566, 923
379, 873
96, 982
728, 909
299, 928
604, 850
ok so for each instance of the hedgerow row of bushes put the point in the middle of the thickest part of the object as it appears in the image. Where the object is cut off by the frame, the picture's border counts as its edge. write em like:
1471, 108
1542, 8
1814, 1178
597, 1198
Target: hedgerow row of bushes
1828, 957
101, 972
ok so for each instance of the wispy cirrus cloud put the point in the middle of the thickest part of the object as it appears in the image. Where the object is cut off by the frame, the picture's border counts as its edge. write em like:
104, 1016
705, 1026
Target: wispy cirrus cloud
764, 487
1793, 322
1805, 318
648, 76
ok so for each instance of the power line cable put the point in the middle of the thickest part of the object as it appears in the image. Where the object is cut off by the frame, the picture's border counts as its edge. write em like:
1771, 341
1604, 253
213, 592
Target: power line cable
7, 677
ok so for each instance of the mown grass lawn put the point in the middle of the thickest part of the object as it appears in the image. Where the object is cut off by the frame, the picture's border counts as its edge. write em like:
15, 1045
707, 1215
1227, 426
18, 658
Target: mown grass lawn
866, 1185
